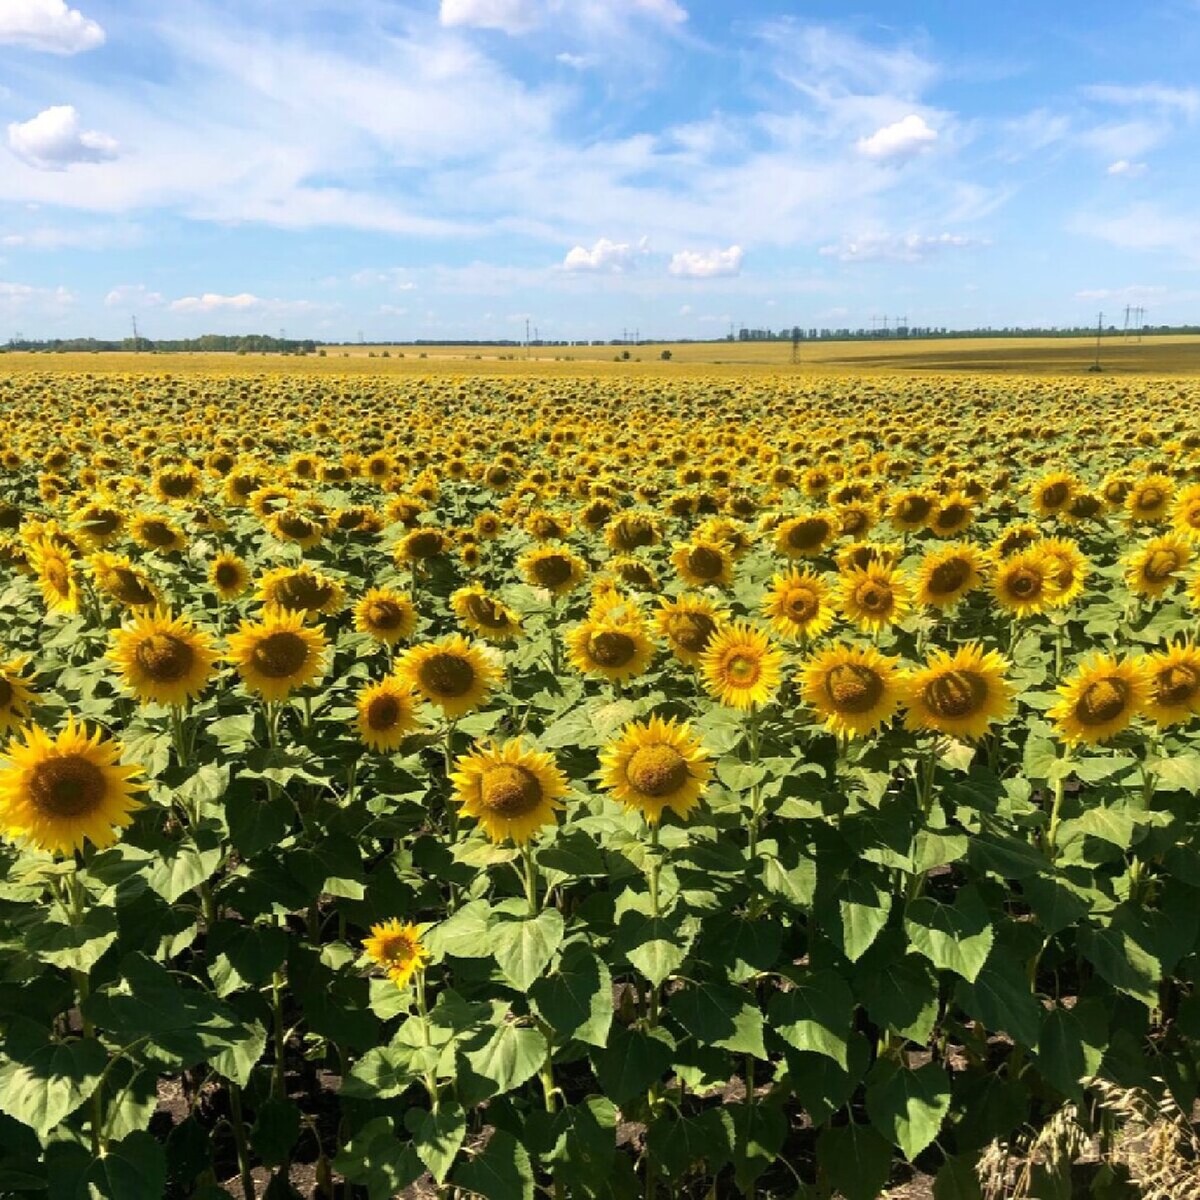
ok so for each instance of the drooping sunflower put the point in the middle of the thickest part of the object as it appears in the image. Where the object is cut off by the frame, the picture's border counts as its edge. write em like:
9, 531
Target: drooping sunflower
163, 659
554, 568
98, 524
301, 527
58, 792
654, 766
452, 674
1069, 569
229, 576
910, 511
873, 597
797, 604
157, 533
855, 690
387, 714
511, 790
1026, 583
279, 654
127, 585
951, 516
421, 544
960, 694
1149, 499
860, 555
398, 949
614, 650
385, 615
1155, 567
57, 576
484, 615
1052, 493
301, 589
1013, 539
15, 693
633, 572
688, 623
1100, 699
1174, 676
945, 576
701, 564
806, 536
741, 667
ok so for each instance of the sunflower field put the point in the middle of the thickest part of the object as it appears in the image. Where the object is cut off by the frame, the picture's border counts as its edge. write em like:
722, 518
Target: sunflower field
598, 787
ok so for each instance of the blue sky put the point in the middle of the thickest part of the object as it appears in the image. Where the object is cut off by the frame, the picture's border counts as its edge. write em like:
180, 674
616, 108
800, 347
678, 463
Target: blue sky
448, 168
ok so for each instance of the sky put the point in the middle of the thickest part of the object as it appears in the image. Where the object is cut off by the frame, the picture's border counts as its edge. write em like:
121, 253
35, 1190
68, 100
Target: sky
447, 169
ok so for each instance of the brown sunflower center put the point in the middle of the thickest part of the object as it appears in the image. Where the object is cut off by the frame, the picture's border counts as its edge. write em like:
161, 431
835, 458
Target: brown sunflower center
1176, 684
951, 515
637, 575
101, 522
853, 687
227, 575
874, 598
385, 615
657, 770
801, 604
448, 675
296, 525
158, 533
280, 654
1055, 494
487, 612
705, 562
1024, 583
1102, 701
57, 576
1149, 499
302, 591
742, 669
510, 790
854, 521
67, 785
425, 544
177, 484
1161, 565
611, 648
6, 694
383, 712
396, 950
630, 534
914, 508
692, 630
955, 694
164, 657
552, 571
808, 533
949, 576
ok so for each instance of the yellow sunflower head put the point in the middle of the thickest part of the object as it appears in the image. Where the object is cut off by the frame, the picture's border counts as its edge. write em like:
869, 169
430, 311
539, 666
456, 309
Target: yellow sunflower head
385, 615
125, 584
511, 790
229, 577
1185, 513
798, 604
16, 694
945, 576
1174, 679
1156, 566
279, 654
397, 949
701, 564
873, 597
911, 510
855, 690
688, 624
301, 589
1025, 583
387, 714
1053, 493
952, 515
554, 568
741, 667
806, 536
654, 766
301, 527
57, 576
959, 694
485, 616
1100, 700
1068, 567
451, 674
58, 792
1149, 499
159, 533
421, 544
163, 659
613, 650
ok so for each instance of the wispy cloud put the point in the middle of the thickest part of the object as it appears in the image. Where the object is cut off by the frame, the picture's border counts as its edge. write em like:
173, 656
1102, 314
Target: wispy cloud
890, 247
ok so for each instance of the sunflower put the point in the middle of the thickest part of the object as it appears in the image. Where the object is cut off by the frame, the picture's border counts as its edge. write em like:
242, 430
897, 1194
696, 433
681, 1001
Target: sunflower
229, 576
806, 536
910, 511
633, 572
1174, 676
387, 713
656, 765
452, 674
1053, 493
157, 533
301, 589
741, 667
1149, 499
960, 694
397, 949
278, 654
855, 690
945, 576
385, 615
98, 525
553, 568
15, 693
1154, 568
952, 515
797, 604
688, 623
1185, 513
57, 792
510, 790
614, 650
873, 597
163, 660
1100, 699
1026, 583
57, 576
296, 525
484, 615
421, 544
1013, 539
863, 554
1068, 568
703, 563
127, 585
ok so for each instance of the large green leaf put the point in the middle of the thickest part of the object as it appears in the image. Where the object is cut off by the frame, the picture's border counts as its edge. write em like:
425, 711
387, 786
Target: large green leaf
1002, 1000
908, 1106
437, 1137
631, 1062
719, 1015
502, 1172
44, 1080
134, 1166
814, 1014
523, 948
509, 1057
75, 947
377, 1160
855, 1160
759, 1131
955, 937
1072, 1044
656, 946
576, 1001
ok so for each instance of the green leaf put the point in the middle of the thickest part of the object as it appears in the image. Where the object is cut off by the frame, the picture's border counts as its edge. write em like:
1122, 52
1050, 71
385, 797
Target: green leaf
1002, 1000
576, 1001
1117, 956
909, 1106
631, 1062
1056, 905
1177, 773
814, 1014
376, 1159
954, 937
1111, 823
1072, 1045
864, 908
380, 1074
74, 947
276, 1128
855, 1159
956, 1180
792, 876
177, 867
759, 1131
719, 1015
466, 934
237, 1058
244, 955
256, 822
585, 1148
900, 993
45, 1081
656, 946
820, 1085
502, 1172
437, 1137
512, 1055
134, 1166
523, 948
679, 1143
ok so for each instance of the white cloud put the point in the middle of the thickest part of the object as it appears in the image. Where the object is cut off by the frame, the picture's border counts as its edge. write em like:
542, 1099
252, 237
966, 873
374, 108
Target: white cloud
53, 140
23, 298
214, 302
1125, 168
47, 25
1144, 227
663, 10
700, 264
888, 247
1134, 293
510, 16
1148, 95
133, 295
395, 278
605, 255
577, 62
901, 139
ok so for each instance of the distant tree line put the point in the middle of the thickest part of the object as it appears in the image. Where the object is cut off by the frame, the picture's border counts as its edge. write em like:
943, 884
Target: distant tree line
252, 343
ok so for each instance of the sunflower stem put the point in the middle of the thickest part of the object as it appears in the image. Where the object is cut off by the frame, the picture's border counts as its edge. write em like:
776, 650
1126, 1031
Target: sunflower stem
1056, 810
752, 746
530, 878
279, 1076
178, 735
238, 1125
431, 1085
